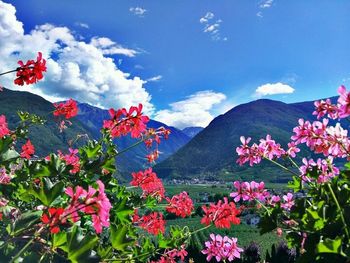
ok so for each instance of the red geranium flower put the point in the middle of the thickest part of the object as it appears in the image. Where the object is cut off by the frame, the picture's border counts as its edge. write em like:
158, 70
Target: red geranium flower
69, 109
54, 218
180, 205
153, 223
149, 183
27, 150
221, 214
30, 72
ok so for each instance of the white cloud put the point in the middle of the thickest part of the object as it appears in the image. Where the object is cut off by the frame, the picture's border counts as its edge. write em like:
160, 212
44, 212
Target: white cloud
212, 27
83, 25
109, 47
75, 68
155, 78
138, 11
194, 110
266, 4
273, 88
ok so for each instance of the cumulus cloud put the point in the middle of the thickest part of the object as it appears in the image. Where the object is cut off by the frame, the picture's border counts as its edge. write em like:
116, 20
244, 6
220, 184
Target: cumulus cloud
78, 69
194, 110
212, 26
138, 11
109, 47
272, 89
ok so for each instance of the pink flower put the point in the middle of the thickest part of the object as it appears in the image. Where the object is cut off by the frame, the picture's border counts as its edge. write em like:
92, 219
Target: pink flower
222, 248
250, 191
288, 201
3, 127
343, 102
242, 191
326, 108
91, 202
292, 149
251, 154
4, 177
71, 159
270, 148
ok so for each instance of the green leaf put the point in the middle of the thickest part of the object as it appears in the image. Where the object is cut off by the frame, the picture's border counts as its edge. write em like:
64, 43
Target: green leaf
59, 240
9, 155
296, 184
47, 192
25, 221
330, 246
119, 237
80, 248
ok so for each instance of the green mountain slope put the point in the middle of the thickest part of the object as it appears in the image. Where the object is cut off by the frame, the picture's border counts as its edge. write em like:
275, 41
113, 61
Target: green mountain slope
46, 138
211, 154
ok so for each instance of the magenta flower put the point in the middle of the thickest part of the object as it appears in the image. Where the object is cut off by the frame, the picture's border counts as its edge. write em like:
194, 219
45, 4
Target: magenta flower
222, 248
288, 201
326, 107
343, 102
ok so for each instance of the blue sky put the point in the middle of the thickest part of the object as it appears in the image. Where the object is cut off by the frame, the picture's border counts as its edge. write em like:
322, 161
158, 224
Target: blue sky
186, 61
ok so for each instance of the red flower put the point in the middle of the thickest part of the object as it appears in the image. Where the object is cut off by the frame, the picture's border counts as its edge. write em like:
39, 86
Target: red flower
3, 127
30, 72
180, 205
71, 159
54, 218
69, 109
123, 122
152, 223
221, 214
27, 150
149, 183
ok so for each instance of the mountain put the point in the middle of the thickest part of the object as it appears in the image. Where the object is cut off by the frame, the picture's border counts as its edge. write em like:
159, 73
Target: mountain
212, 155
192, 131
46, 138
134, 159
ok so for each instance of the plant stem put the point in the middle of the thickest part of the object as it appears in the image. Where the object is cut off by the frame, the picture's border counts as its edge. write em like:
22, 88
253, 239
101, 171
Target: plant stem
340, 211
291, 160
281, 166
200, 229
132, 146
7, 72
267, 210
22, 250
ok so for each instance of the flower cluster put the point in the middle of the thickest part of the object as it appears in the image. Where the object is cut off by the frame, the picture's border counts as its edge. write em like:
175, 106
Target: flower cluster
170, 256
249, 191
334, 111
4, 177
54, 218
180, 205
68, 109
222, 248
148, 181
27, 150
321, 138
30, 72
71, 159
91, 202
4, 130
153, 223
267, 148
222, 214
324, 169
123, 122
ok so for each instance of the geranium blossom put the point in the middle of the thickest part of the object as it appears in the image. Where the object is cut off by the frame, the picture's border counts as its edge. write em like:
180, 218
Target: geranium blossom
68, 109
222, 248
288, 201
249, 191
153, 223
4, 177
3, 127
148, 181
91, 202
30, 72
324, 108
27, 150
71, 159
54, 218
123, 122
343, 102
222, 214
180, 205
